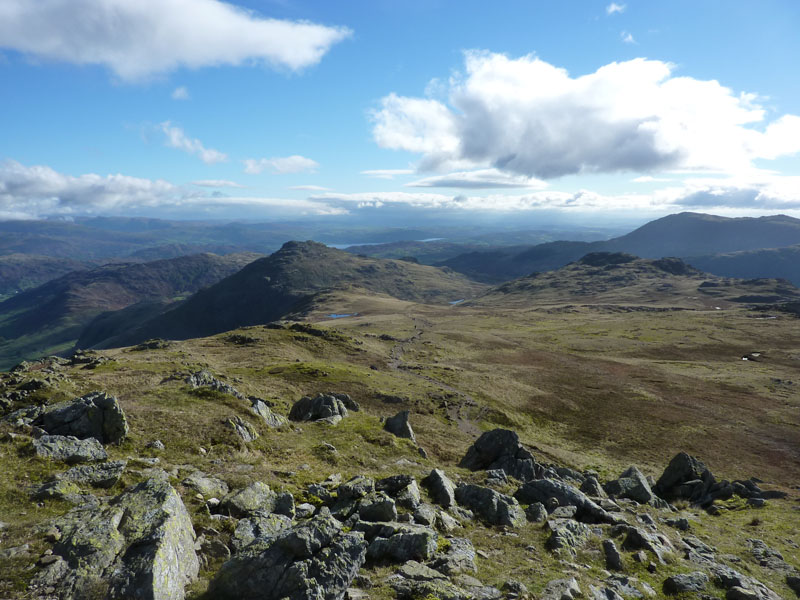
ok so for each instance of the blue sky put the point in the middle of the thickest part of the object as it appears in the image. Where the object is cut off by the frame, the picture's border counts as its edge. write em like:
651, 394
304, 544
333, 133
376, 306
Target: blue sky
298, 109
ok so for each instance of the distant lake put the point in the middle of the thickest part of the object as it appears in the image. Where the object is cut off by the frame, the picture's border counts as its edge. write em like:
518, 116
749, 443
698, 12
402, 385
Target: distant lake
345, 246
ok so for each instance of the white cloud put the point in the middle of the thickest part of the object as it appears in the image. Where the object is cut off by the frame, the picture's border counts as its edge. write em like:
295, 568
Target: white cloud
764, 192
386, 173
648, 179
217, 183
528, 117
309, 188
176, 138
280, 165
37, 191
180, 93
615, 8
481, 179
141, 38
627, 37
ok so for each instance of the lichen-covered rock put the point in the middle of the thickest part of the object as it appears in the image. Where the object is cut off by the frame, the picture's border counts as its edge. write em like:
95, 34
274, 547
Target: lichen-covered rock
458, 557
96, 415
69, 449
242, 428
103, 475
268, 416
409, 543
501, 449
542, 490
442, 490
209, 487
141, 545
315, 560
398, 425
492, 506
536, 513
377, 507
561, 589
255, 498
567, 535
322, 407
205, 379
259, 527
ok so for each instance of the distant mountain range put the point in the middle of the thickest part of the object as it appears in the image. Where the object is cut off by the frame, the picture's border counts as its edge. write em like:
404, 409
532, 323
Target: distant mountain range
695, 236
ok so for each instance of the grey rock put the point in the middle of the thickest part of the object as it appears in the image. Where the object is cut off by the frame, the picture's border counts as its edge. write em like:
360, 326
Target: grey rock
561, 589
564, 512
416, 571
205, 379
738, 593
69, 449
441, 488
567, 535
59, 490
259, 527
631, 484
417, 544
603, 593
630, 587
155, 445
492, 506
536, 513
139, 546
793, 581
515, 590
501, 449
304, 511
459, 557
639, 539
442, 589
685, 478
591, 487
398, 425
685, 582
270, 418
255, 498
425, 514
96, 415
356, 488
284, 505
769, 558
322, 407
315, 560
242, 428
446, 523
541, 490
210, 487
727, 578
612, 556
377, 507
104, 475
681, 523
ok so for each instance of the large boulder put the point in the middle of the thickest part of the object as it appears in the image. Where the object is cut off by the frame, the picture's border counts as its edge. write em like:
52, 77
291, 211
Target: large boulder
442, 490
501, 449
322, 407
398, 425
542, 490
409, 542
685, 478
141, 545
316, 560
69, 449
209, 487
632, 484
492, 506
96, 415
255, 498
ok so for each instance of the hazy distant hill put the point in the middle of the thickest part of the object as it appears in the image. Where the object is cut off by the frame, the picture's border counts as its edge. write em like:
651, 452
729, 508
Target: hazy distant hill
768, 262
681, 235
20, 272
50, 318
286, 281
623, 279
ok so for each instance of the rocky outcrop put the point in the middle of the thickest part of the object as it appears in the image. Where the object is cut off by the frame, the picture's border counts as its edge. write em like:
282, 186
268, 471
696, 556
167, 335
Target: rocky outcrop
398, 425
492, 506
632, 484
685, 478
244, 430
567, 535
96, 415
322, 407
204, 379
315, 560
141, 545
268, 416
69, 449
542, 490
442, 490
501, 449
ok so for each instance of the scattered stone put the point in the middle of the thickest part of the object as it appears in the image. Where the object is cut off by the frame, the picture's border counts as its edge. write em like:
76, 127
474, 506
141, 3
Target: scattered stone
398, 425
155, 445
631, 484
793, 581
59, 490
603, 593
205, 379
459, 557
322, 407
591, 487
638, 539
242, 428
425, 514
141, 545
255, 498
313, 560
561, 589
685, 582
209, 487
501, 449
612, 556
492, 506
568, 535
304, 511
96, 415
410, 543
69, 449
564, 512
441, 488
514, 590
536, 513
682, 524
769, 558
377, 507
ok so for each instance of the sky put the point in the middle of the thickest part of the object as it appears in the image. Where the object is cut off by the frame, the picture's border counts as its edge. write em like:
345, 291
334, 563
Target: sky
399, 112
